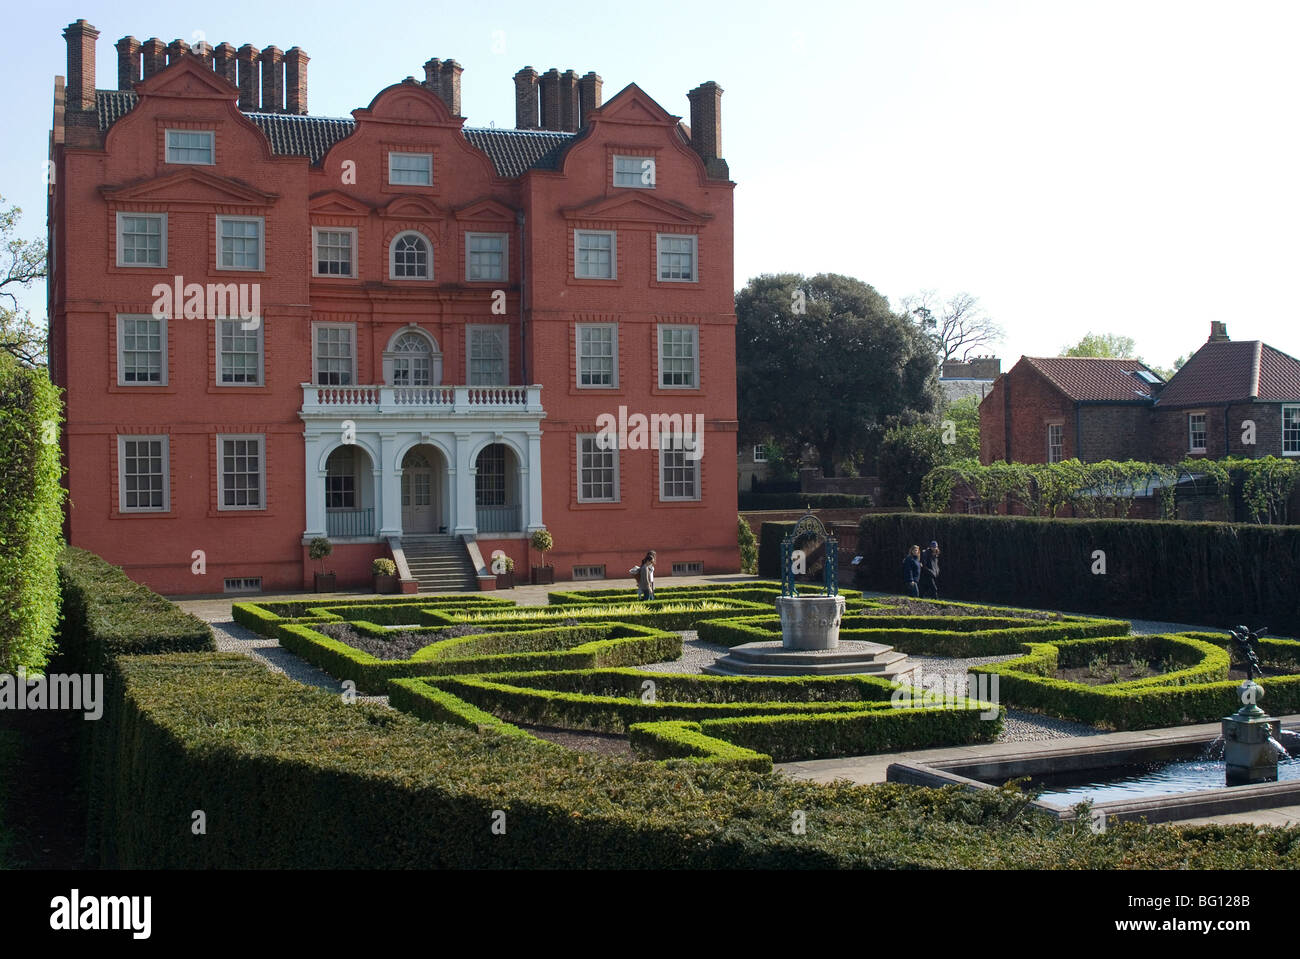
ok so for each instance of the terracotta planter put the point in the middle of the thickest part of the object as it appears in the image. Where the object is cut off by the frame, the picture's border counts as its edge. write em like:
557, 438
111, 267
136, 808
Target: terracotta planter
385, 584
325, 582
506, 580
543, 575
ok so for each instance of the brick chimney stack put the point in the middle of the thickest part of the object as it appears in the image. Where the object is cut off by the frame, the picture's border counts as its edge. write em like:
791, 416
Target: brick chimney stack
272, 79
433, 75
128, 62
153, 54
246, 57
224, 62
203, 50
1218, 332
450, 85
81, 38
568, 101
588, 96
549, 82
706, 127
175, 50
295, 81
526, 99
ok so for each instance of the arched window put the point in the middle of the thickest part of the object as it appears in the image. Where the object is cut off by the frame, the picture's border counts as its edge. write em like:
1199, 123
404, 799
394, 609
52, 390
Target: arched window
411, 360
490, 476
410, 257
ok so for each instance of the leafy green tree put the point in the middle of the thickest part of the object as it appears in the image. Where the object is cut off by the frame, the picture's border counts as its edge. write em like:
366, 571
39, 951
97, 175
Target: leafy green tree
823, 362
964, 414
21, 263
1106, 345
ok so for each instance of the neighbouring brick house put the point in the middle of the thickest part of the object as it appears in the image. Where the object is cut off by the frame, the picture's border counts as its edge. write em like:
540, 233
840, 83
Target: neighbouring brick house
1228, 399
443, 315
1048, 409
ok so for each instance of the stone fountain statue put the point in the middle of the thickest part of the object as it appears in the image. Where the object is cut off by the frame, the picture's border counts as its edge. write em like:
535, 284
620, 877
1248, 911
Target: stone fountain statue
1250, 746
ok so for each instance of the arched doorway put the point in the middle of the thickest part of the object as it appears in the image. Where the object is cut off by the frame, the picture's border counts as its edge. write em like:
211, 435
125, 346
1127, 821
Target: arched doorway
349, 493
424, 508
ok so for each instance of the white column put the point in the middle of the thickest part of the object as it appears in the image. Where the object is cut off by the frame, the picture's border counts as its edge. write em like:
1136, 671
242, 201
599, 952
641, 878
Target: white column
388, 486
314, 498
463, 500
533, 517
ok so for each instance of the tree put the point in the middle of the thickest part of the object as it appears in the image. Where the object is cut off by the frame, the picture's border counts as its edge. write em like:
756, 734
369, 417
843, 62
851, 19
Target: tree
23, 262
1106, 345
1167, 372
958, 326
909, 451
822, 362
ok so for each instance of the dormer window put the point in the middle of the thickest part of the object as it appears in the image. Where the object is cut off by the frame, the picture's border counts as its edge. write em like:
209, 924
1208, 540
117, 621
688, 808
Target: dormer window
410, 169
191, 146
634, 171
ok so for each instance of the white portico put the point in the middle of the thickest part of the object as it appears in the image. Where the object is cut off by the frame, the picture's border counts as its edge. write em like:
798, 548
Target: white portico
388, 461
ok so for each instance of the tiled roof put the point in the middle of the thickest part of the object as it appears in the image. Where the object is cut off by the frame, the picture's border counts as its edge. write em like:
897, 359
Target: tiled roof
1094, 379
1227, 371
512, 152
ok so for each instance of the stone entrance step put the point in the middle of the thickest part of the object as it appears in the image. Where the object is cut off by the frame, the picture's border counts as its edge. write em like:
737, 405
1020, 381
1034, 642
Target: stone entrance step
849, 658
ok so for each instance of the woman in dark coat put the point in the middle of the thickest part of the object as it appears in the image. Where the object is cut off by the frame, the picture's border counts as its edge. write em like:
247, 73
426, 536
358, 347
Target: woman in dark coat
912, 571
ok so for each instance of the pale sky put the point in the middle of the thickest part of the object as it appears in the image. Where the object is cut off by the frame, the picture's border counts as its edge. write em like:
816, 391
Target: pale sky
1125, 167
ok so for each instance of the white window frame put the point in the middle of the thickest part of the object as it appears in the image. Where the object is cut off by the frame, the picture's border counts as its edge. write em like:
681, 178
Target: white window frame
613, 254
121, 349
261, 347
212, 146
392, 258
261, 243
594, 437
1060, 428
315, 252
408, 153
577, 346
695, 257
666, 441
1205, 432
315, 352
760, 454
505, 257
162, 240
470, 330
222, 438
637, 174
1295, 428
659, 372
122, 440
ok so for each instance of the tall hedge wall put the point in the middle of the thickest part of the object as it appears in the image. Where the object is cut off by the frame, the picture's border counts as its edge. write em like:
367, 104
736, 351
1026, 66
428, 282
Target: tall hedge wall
1210, 573
31, 516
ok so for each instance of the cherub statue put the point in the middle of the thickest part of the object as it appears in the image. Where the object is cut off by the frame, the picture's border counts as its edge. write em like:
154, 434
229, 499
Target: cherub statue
1245, 642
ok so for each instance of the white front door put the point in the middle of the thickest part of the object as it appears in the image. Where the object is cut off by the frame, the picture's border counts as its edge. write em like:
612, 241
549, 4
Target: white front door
419, 502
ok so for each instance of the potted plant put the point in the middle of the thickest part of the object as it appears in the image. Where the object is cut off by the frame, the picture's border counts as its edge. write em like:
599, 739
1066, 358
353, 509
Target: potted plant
319, 548
541, 541
506, 575
384, 571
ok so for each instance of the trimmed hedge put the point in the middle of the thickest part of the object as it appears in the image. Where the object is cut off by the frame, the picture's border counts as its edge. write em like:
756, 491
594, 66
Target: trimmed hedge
955, 636
1200, 692
571, 647
292, 777
754, 592
440, 707
683, 740
267, 618
1213, 573
825, 735
659, 614
759, 501
31, 515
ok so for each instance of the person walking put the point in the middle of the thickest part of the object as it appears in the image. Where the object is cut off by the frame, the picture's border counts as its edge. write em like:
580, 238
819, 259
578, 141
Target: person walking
645, 577
912, 571
930, 572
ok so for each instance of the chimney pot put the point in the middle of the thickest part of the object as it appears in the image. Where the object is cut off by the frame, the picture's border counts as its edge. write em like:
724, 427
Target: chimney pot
549, 82
272, 79
81, 38
588, 96
1218, 331
223, 60
295, 81
128, 62
153, 55
526, 99
247, 57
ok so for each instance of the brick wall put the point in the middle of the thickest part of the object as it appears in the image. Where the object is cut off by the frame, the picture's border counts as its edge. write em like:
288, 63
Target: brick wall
1114, 433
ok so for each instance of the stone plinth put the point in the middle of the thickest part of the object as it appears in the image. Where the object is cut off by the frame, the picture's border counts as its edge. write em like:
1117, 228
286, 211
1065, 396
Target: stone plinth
810, 622
1247, 754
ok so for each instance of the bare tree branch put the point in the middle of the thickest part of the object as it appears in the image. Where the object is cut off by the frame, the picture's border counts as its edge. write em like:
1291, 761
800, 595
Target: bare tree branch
958, 326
